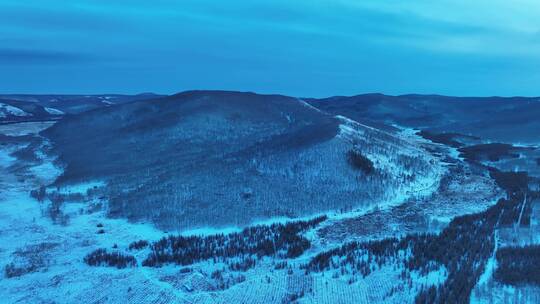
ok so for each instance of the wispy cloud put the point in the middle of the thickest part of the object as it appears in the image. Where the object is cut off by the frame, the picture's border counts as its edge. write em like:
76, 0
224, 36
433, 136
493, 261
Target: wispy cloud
31, 57
304, 47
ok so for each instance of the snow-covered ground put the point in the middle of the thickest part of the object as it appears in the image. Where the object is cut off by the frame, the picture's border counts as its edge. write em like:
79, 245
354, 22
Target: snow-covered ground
53, 257
53, 254
53, 111
8, 110
24, 128
50, 255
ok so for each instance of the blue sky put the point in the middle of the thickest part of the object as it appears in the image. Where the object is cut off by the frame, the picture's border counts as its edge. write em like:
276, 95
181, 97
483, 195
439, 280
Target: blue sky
301, 48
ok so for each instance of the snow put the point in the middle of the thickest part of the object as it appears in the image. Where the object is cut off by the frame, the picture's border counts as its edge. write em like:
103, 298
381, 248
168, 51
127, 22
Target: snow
6, 109
425, 184
59, 278
308, 105
53, 111
25, 128
65, 278
6, 159
495, 293
433, 278
106, 100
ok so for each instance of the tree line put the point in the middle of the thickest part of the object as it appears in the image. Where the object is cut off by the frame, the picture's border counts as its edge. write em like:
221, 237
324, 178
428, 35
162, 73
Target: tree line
242, 248
101, 257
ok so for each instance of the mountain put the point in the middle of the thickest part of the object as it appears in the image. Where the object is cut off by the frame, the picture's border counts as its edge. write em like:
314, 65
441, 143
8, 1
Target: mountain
17, 110
218, 158
43, 107
491, 118
238, 197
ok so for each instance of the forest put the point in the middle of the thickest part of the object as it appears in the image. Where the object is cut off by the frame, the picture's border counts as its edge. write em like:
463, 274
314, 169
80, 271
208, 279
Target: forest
360, 162
281, 240
491, 152
518, 265
471, 238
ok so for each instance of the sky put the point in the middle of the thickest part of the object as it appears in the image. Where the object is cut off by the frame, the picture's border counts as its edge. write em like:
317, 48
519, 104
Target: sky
304, 48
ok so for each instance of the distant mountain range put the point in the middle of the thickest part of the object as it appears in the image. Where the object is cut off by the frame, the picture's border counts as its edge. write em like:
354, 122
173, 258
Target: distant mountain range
512, 119
492, 118
24, 107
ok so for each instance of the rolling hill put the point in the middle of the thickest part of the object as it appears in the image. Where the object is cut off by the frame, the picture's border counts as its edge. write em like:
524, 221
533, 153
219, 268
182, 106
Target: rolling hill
509, 120
217, 158
27, 107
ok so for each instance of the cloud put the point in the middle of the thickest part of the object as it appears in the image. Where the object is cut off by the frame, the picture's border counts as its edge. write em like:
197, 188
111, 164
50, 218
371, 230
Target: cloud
302, 47
32, 57
54, 18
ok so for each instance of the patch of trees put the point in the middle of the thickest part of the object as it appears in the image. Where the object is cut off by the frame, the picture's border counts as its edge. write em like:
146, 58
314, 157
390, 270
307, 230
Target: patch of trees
239, 250
511, 182
39, 194
138, 245
518, 265
101, 257
11, 270
442, 138
55, 210
510, 215
361, 257
492, 152
360, 162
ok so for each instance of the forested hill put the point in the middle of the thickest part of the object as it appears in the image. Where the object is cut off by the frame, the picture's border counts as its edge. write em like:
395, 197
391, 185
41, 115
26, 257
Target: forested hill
215, 157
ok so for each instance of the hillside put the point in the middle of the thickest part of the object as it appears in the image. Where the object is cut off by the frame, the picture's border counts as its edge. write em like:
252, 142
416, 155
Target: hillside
492, 118
12, 111
43, 106
216, 158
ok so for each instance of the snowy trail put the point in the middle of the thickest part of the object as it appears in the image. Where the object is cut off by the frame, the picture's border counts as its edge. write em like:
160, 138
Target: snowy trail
521, 212
491, 263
